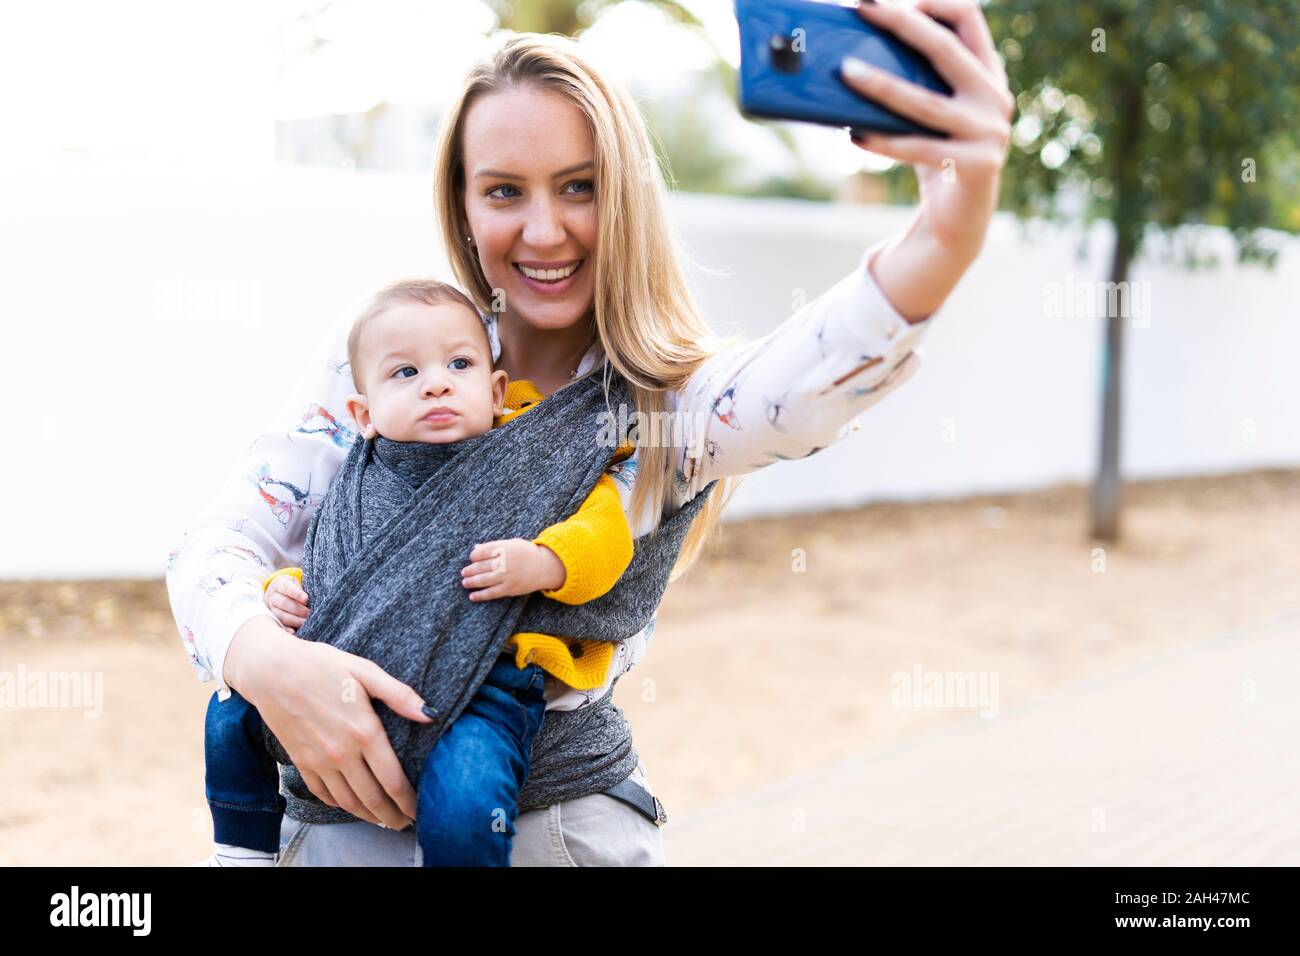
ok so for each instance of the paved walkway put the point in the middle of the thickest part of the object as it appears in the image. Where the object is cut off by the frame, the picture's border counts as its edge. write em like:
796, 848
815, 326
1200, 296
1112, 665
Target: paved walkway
1189, 758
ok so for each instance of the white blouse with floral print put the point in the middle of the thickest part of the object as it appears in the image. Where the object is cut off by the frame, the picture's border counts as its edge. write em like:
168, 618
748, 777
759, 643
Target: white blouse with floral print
786, 395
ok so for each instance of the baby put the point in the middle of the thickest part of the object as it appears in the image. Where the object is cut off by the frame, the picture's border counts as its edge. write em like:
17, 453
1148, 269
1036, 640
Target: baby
422, 366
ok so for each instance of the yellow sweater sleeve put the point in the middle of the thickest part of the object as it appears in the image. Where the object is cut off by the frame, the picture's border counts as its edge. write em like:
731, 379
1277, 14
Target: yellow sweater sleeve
295, 573
595, 545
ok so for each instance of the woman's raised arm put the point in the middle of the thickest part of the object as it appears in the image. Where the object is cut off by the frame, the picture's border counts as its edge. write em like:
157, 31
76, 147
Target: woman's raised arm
797, 389
959, 176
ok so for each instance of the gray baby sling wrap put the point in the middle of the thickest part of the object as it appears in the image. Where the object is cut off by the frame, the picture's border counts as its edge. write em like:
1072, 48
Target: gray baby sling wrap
393, 594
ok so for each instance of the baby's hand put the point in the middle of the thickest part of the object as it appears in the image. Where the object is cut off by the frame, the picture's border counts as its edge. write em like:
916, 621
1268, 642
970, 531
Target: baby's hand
287, 601
511, 567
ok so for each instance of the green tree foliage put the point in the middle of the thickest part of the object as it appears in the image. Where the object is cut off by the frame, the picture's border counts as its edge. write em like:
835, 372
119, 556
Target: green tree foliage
1159, 117
569, 17
1157, 114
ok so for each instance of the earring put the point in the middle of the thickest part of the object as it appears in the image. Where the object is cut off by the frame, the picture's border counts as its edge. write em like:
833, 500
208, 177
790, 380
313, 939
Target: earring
470, 240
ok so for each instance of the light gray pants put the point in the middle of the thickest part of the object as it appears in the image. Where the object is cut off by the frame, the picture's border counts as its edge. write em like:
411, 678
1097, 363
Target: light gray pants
596, 830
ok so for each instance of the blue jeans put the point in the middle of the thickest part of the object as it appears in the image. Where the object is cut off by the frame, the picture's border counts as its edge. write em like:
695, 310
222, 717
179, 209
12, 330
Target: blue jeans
468, 790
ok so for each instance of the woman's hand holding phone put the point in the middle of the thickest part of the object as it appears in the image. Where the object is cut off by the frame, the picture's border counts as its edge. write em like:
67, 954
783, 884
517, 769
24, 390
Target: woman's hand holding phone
959, 176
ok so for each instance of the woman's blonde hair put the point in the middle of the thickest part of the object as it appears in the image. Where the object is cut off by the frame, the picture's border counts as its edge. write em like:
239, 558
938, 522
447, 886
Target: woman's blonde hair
645, 315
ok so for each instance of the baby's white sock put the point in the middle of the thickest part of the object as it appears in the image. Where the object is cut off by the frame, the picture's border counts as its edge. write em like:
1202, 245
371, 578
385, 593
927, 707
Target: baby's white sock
228, 855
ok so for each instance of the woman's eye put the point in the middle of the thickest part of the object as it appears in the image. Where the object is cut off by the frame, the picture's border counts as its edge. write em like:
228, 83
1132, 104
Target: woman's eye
587, 183
406, 368
459, 368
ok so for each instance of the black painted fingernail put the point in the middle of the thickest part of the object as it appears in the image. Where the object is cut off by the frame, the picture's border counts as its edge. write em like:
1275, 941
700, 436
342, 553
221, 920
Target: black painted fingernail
429, 711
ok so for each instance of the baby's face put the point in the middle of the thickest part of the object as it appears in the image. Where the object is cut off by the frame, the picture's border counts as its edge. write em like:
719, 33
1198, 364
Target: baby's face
427, 376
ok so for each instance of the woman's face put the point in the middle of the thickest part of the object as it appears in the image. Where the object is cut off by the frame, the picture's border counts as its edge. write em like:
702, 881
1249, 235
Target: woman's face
529, 197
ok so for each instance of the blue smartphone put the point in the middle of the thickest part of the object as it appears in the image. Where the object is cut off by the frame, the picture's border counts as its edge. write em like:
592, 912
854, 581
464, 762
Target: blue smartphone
790, 53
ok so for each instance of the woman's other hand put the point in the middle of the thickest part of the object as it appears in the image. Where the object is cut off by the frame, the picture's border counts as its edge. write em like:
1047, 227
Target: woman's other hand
287, 602
511, 567
959, 176
316, 700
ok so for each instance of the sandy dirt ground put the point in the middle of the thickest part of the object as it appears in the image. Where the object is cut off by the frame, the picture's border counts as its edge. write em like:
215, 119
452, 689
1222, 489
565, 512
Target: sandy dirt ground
774, 655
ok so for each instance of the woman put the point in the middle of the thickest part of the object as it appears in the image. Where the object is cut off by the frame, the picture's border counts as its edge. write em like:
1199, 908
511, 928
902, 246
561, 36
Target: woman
555, 226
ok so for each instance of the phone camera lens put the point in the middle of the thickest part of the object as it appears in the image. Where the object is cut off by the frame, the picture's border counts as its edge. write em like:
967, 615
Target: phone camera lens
785, 58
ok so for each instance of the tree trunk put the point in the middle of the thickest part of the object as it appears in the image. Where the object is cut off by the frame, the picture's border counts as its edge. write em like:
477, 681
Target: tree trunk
1106, 488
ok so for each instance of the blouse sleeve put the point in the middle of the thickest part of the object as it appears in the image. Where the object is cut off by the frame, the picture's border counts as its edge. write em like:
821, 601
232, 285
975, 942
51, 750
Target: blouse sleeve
797, 389
257, 522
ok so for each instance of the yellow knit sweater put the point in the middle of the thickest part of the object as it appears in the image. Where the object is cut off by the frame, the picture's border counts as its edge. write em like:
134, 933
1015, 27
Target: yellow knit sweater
595, 547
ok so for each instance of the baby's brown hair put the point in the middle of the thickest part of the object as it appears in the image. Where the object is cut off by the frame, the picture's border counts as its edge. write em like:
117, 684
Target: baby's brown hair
418, 290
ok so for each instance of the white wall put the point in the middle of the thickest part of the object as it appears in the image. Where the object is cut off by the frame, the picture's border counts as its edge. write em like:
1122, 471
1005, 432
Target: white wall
152, 320
1009, 394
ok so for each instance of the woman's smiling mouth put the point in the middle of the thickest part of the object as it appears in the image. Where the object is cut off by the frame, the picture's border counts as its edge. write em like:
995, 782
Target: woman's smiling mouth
549, 281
